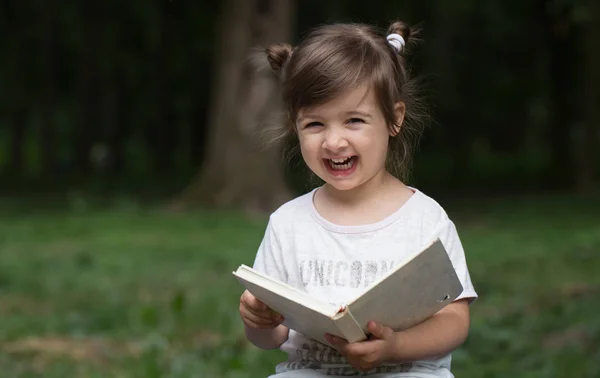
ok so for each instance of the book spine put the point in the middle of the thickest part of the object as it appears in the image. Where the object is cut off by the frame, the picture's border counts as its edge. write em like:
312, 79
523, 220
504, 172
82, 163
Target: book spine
349, 328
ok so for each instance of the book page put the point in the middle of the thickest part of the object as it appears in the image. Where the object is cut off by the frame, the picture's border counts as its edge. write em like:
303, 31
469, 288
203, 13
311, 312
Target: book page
297, 316
412, 293
281, 289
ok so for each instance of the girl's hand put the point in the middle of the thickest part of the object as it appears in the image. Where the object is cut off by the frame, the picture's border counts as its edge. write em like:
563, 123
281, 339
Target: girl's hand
366, 355
256, 314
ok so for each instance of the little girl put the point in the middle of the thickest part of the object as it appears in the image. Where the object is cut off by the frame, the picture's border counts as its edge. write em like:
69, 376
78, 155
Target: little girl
352, 109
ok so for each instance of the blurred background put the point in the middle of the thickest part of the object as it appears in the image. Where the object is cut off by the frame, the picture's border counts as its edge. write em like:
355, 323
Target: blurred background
133, 179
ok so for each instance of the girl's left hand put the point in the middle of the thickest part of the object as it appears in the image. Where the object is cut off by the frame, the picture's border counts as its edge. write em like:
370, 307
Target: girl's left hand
366, 355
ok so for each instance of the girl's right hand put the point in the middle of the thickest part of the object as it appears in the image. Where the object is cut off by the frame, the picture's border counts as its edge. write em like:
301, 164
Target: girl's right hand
256, 314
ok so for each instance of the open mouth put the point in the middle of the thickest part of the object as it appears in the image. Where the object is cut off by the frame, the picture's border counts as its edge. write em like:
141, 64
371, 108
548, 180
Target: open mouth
343, 164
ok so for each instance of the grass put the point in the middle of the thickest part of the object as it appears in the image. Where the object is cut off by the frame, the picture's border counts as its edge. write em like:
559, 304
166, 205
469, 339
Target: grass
130, 291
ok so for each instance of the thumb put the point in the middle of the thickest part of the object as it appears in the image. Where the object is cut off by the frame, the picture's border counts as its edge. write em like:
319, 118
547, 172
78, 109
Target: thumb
380, 331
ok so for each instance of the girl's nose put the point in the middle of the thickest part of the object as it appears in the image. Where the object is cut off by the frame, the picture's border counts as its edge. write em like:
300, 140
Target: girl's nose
334, 140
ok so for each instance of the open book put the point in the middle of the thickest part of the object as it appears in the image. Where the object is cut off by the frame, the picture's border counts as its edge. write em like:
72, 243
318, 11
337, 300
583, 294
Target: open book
407, 295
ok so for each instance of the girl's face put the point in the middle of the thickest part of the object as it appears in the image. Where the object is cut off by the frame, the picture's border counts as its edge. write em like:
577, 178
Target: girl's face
345, 141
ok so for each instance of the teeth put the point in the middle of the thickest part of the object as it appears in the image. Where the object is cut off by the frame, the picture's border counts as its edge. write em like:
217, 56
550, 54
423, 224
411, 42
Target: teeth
339, 161
347, 163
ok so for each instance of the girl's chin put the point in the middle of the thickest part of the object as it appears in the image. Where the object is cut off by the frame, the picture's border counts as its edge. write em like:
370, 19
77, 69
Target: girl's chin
342, 185
340, 181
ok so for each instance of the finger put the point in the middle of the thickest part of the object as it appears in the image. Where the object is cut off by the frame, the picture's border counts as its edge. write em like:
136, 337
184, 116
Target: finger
349, 350
354, 350
252, 302
255, 321
360, 350
380, 331
335, 340
259, 308
267, 314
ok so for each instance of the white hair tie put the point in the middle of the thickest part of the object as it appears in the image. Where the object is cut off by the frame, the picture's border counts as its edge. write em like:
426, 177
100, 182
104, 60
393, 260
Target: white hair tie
397, 41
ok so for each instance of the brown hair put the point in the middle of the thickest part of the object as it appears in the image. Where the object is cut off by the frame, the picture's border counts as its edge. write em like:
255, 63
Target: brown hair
333, 58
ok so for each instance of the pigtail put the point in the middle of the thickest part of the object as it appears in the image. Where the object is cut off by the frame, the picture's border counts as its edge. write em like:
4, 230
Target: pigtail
401, 35
277, 55
402, 38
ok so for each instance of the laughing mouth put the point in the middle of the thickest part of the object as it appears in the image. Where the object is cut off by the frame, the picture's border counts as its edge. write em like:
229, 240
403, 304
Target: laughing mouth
342, 164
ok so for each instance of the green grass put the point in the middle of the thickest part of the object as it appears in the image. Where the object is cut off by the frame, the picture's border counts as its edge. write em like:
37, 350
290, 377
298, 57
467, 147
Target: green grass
130, 291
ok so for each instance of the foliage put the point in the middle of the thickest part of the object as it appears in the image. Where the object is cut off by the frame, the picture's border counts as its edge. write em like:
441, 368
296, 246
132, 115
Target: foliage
123, 89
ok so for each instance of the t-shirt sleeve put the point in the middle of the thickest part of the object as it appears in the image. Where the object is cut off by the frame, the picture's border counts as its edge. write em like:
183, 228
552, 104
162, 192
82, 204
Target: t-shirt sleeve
269, 257
449, 237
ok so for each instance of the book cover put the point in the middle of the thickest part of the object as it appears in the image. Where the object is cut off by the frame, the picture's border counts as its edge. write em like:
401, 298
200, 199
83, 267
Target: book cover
407, 295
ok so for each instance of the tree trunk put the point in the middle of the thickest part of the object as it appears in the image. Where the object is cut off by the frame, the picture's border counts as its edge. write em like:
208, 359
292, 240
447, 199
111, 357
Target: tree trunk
18, 75
16, 164
563, 95
590, 136
114, 127
47, 132
453, 79
115, 98
236, 172
162, 133
87, 89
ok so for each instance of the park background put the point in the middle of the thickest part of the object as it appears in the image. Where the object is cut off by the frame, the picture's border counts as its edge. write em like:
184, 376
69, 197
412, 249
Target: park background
132, 180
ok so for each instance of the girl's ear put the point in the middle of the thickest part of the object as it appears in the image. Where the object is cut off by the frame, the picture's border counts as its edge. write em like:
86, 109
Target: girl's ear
399, 112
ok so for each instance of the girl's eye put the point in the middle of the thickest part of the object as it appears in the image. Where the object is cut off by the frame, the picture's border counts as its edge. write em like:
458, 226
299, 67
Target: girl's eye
312, 124
356, 120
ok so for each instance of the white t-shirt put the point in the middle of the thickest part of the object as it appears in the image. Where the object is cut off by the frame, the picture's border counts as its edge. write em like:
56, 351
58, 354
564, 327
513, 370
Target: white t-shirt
336, 263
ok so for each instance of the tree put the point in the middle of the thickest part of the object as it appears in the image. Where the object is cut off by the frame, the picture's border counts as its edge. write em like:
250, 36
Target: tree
16, 81
590, 133
564, 81
88, 79
237, 172
47, 127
